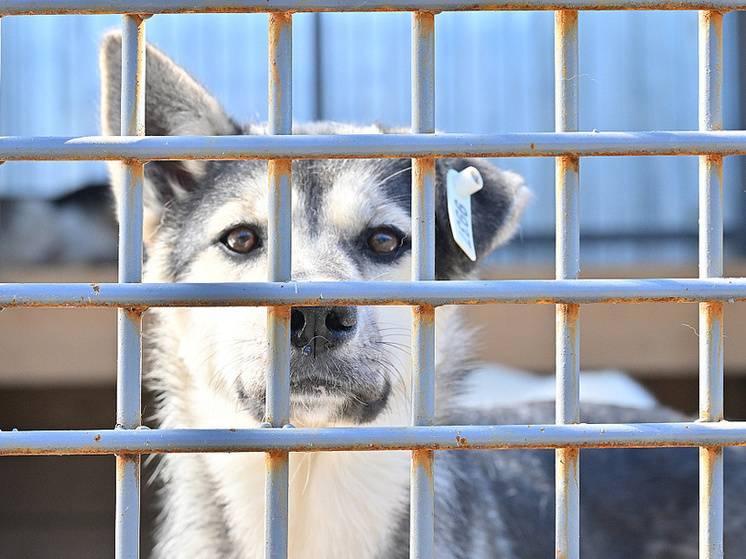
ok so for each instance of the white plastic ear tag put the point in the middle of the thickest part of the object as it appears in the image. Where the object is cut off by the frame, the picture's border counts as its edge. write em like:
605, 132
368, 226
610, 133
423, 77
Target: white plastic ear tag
459, 187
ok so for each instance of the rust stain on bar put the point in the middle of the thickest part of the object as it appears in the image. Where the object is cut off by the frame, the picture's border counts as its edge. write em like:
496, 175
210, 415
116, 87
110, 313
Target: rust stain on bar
717, 162
279, 23
121, 465
275, 458
280, 312
424, 458
425, 313
420, 171
134, 313
63, 8
571, 312
569, 163
709, 456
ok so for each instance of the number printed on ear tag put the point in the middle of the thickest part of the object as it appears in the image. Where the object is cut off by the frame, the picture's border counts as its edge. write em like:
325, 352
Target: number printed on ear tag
459, 188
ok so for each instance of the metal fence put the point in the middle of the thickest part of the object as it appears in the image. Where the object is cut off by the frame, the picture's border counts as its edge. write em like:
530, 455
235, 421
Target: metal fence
129, 440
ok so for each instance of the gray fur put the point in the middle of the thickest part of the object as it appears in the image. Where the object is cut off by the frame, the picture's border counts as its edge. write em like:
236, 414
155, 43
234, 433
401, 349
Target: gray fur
207, 370
640, 503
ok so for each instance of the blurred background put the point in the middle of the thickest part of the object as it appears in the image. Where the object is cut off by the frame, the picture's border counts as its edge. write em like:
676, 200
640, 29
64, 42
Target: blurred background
638, 71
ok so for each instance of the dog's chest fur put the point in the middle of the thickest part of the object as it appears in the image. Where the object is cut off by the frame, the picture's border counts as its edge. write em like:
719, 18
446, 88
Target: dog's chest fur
341, 504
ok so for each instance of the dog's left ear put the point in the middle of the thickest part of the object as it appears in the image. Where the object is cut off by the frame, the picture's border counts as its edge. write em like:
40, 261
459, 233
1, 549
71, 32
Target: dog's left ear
175, 105
496, 210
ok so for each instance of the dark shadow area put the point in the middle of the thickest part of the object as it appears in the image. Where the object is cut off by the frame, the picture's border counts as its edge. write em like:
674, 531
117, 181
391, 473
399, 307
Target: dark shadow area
62, 507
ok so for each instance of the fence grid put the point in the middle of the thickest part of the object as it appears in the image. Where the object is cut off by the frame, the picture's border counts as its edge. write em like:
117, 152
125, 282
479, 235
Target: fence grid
128, 441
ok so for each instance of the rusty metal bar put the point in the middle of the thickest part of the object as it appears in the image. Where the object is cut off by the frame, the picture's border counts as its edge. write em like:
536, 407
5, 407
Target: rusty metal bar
38, 7
711, 265
422, 502
129, 321
280, 268
469, 437
432, 293
267, 147
567, 476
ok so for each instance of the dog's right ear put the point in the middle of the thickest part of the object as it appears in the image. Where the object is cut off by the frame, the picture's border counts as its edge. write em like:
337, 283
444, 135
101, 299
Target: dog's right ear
175, 105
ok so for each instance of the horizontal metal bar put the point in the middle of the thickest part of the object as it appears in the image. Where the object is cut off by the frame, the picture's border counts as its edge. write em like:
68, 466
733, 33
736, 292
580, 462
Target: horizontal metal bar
346, 146
37, 7
472, 437
433, 293
644, 235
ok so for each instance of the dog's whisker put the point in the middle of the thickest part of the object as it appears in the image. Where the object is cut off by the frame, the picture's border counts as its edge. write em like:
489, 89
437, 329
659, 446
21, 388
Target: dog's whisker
393, 175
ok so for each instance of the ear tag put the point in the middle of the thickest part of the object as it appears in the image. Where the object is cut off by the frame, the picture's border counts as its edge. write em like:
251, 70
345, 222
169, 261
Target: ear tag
459, 188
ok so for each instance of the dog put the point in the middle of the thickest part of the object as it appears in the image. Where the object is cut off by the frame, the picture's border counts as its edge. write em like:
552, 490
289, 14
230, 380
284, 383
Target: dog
207, 222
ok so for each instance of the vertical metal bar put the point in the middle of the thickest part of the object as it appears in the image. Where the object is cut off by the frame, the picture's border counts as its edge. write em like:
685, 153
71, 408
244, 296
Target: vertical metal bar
422, 503
318, 66
710, 266
129, 321
279, 248
739, 229
567, 480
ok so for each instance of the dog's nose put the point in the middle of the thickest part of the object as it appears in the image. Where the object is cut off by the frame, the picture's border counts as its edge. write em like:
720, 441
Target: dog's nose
315, 330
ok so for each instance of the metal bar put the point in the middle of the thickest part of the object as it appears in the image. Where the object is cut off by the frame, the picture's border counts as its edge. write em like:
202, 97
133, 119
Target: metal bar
317, 44
422, 501
434, 293
280, 268
452, 437
38, 7
735, 237
365, 146
129, 322
711, 265
567, 474
625, 235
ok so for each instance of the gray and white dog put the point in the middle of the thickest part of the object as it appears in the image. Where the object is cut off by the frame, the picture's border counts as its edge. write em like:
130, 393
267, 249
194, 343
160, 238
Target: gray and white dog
207, 222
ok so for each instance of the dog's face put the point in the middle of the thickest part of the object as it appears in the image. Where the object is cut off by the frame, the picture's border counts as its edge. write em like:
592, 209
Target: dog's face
207, 222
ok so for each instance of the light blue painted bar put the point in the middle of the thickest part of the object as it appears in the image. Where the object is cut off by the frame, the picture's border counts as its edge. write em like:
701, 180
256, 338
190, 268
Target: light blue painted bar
434, 293
451, 437
567, 475
127, 494
30, 7
280, 264
422, 500
711, 265
129, 323
540, 144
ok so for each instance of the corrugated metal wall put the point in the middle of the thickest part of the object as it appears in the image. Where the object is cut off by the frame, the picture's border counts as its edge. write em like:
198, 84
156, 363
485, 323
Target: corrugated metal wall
494, 74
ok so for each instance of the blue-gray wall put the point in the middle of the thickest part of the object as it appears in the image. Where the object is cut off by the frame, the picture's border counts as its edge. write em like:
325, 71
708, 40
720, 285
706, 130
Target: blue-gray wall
494, 74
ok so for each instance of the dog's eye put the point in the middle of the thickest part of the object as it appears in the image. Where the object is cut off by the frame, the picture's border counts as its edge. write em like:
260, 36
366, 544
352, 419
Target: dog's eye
385, 240
241, 239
